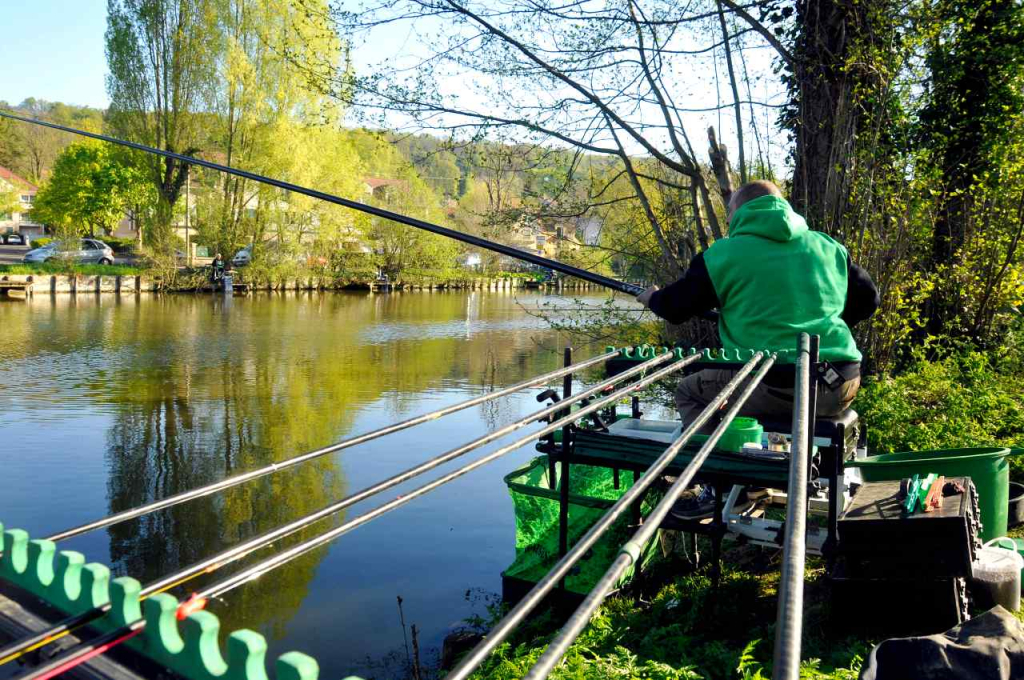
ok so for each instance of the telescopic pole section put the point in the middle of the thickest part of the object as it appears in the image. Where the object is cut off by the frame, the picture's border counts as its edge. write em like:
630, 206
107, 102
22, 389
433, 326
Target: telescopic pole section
271, 563
296, 460
476, 241
789, 619
258, 570
630, 552
500, 632
84, 652
210, 564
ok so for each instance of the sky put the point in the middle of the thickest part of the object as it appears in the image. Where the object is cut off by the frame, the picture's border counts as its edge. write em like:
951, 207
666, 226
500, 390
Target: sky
53, 50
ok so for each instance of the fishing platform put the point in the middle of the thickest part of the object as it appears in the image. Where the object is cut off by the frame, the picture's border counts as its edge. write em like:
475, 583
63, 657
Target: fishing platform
602, 456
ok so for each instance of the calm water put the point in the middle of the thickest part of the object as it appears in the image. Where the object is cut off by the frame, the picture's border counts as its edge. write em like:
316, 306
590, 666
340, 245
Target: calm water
107, 403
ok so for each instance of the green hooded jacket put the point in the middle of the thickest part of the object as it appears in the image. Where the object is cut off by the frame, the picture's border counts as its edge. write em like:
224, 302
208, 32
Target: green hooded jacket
776, 278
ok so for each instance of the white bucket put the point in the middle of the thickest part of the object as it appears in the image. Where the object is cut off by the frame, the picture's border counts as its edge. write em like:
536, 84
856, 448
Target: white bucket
997, 578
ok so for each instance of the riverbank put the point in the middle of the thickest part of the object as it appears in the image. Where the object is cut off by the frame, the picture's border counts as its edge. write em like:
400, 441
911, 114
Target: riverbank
125, 280
672, 626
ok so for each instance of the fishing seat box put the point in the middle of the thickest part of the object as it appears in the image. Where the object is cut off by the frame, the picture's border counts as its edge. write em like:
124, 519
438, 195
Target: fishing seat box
876, 539
903, 575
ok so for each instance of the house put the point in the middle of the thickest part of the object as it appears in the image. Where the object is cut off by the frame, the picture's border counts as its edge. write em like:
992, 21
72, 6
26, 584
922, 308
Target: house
19, 220
380, 187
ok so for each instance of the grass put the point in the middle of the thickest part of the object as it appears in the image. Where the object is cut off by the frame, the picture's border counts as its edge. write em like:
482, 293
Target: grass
673, 626
69, 269
678, 629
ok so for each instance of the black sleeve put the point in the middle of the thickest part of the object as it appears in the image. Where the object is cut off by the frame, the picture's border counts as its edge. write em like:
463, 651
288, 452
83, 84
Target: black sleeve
691, 295
861, 295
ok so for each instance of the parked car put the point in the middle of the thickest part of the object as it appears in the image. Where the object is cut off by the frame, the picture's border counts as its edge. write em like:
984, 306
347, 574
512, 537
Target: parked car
242, 258
15, 239
83, 251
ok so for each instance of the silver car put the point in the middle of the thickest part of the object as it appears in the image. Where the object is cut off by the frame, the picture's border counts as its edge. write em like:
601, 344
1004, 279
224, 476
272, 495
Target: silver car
83, 251
242, 258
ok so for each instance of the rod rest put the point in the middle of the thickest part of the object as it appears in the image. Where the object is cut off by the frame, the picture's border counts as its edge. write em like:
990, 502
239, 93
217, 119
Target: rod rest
189, 648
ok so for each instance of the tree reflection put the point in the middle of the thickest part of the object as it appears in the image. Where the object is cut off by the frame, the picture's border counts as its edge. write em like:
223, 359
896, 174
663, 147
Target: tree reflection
205, 390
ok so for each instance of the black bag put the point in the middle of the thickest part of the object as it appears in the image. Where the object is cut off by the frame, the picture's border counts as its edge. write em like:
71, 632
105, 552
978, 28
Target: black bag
988, 647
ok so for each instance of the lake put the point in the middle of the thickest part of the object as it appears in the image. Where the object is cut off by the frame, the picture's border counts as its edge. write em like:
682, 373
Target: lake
111, 402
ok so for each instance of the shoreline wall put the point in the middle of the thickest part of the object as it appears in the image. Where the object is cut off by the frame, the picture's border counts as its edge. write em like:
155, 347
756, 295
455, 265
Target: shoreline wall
61, 284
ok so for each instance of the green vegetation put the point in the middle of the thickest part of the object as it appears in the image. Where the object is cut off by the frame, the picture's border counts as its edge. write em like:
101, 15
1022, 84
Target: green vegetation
958, 399
72, 269
90, 191
680, 630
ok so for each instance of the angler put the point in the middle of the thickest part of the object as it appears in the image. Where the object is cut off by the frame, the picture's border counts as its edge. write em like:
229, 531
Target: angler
771, 279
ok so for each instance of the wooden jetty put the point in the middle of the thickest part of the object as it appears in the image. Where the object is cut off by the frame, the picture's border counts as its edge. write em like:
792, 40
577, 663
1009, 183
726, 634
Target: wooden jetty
19, 290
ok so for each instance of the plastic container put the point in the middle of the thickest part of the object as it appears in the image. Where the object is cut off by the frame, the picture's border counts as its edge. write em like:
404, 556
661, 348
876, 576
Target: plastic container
996, 578
741, 431
658, 430
1015, 507
986, 466
1007, 543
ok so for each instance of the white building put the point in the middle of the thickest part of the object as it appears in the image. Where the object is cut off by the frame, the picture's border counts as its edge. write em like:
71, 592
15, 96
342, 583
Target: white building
19, 220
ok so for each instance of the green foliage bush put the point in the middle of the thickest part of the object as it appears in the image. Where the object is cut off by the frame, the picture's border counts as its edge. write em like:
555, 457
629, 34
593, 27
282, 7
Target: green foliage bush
121, 246
71, 269
682, 632
965, 398
40, 242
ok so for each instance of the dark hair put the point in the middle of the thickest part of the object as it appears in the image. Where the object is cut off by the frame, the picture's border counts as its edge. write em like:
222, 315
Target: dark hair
750, 191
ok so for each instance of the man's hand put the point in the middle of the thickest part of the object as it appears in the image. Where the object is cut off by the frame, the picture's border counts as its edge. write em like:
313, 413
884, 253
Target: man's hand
645, 297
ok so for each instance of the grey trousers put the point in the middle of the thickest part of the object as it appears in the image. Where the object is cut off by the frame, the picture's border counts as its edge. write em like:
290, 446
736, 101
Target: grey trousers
695, 391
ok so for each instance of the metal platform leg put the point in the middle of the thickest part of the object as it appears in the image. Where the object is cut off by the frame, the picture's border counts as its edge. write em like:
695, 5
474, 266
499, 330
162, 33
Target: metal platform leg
718, 528
836, 489
563, 490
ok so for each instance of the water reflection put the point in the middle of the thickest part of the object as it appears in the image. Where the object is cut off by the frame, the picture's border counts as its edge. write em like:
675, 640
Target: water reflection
161, 394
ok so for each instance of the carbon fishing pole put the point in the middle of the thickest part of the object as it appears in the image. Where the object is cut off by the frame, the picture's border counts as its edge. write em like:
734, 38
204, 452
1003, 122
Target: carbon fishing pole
302, 458
500, 632
211, 564
218, 589
789, 617
476, 241
630, 552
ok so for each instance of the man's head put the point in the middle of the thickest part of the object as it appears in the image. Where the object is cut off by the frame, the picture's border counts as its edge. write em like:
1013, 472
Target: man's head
750, 191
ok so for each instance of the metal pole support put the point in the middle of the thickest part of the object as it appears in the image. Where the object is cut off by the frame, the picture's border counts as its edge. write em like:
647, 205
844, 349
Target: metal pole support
563, 488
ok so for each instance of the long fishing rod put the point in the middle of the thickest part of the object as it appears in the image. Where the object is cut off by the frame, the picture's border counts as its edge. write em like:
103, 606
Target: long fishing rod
79, 654
629, 554
526, 256
229, 482
211, 564
501, 631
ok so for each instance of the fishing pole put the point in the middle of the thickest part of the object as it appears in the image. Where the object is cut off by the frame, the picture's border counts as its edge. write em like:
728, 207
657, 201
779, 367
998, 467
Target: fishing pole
211, 564
77, 654
229, 482
526, 256
629, 554
501, 631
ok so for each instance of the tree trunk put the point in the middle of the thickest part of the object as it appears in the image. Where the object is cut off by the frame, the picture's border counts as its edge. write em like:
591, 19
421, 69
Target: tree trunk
824, 119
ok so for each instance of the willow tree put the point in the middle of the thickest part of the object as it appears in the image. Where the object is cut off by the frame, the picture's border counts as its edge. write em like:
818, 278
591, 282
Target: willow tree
268, 120
160, 57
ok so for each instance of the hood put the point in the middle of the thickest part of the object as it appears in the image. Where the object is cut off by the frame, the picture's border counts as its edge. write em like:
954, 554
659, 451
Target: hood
769, 217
